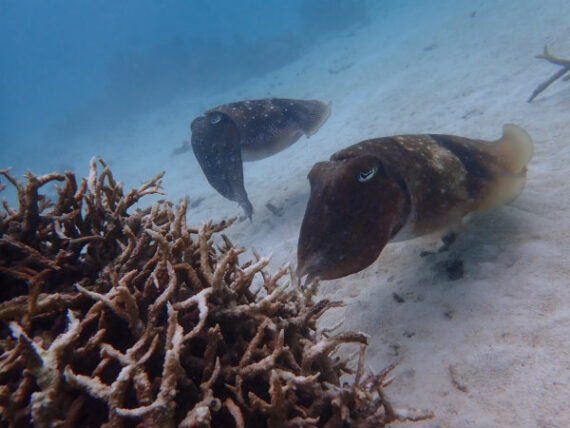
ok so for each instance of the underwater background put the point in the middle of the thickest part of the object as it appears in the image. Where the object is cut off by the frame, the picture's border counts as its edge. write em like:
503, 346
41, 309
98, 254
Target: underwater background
75, 68
123, 80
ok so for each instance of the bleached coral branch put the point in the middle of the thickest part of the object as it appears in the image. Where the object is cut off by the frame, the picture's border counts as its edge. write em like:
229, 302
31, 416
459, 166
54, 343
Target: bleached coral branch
164, 405
201, 300
564, 63
45, 366
265, 364
328, 345
129, 313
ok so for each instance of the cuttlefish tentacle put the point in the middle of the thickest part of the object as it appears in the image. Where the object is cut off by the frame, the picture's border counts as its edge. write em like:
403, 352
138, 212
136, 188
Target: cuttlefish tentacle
229, 134
401, 187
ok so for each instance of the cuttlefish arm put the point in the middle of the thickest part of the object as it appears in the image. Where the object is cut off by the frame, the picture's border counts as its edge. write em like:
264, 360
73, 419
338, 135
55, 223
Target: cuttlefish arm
216, 145
356, 206
401, 187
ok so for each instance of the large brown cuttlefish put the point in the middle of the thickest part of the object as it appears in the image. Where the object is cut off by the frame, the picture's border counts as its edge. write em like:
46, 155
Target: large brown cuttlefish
401, 187
225, 136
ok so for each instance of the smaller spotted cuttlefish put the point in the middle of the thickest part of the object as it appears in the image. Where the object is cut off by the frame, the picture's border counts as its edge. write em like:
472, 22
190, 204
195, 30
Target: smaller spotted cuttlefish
225, 136
401, 187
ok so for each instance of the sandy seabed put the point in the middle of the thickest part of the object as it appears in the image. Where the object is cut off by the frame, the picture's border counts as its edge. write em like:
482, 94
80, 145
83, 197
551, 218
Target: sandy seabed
490, 349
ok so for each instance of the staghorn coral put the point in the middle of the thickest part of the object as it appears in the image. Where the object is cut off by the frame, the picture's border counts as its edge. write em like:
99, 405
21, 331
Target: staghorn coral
564, 63
119, 319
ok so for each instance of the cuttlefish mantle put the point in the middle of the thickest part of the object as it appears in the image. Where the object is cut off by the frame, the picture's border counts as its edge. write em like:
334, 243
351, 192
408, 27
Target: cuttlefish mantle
225, 136
400, 187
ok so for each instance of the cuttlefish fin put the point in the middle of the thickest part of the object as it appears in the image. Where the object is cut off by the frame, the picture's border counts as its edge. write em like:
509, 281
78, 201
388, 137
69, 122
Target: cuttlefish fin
313, 123
513, 151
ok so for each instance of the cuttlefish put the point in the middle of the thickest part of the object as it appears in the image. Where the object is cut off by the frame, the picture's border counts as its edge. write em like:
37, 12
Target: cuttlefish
400, 187
225, 136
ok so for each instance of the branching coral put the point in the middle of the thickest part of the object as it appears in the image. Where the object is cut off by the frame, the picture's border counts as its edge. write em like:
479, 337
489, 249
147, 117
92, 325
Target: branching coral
564, 63
119, 319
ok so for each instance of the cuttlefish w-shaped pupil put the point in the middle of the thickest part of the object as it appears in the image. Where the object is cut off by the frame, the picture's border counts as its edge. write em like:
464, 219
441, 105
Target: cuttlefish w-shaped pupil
367, 175
216, 119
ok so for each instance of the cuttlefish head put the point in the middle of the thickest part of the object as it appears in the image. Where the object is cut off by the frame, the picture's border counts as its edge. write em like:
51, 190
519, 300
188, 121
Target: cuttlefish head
355, 207
216, 145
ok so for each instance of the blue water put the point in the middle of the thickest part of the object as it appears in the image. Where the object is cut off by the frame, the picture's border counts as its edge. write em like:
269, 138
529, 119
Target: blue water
71, 67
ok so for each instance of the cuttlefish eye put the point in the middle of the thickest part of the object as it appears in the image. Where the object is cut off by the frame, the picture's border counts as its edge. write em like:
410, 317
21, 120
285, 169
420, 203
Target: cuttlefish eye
367, 175
216, 119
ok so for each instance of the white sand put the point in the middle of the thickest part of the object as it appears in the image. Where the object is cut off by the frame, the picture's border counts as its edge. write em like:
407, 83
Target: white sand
504, 328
